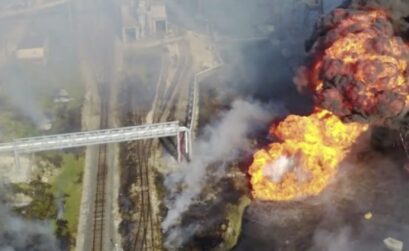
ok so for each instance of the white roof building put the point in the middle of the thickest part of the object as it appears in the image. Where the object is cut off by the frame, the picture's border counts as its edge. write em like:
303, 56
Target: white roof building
33, 48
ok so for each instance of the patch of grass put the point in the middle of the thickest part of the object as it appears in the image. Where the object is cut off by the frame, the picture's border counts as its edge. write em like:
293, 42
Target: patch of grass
43, 205
68, 184
11, 128
234, 217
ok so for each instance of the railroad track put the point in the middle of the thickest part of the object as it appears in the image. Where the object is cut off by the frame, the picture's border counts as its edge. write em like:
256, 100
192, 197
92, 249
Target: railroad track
166, 97
145, 234
98, 238
147, 229
99, 210
144, 237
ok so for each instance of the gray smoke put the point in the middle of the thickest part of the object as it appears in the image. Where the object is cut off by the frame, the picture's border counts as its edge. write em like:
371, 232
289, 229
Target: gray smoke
335, 233
20, 92
17, 234
339, 240
397, 9
221, 143
344, 239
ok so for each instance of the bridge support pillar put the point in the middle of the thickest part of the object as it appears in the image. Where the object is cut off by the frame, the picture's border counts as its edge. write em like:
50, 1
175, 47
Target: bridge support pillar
16, 159
179, 154
184, 146
188, 144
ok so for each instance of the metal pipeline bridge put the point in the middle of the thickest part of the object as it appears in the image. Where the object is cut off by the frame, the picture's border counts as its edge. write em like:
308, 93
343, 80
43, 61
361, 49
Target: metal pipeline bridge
97, 137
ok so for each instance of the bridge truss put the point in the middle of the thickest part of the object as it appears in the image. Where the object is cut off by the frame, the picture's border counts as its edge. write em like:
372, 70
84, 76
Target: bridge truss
97, 137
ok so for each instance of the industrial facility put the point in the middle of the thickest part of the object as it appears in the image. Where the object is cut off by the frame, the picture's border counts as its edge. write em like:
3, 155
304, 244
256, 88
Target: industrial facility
192, 125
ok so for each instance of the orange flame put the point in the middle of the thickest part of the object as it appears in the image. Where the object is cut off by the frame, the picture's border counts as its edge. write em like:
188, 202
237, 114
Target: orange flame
362, 65
306, 159
361, 72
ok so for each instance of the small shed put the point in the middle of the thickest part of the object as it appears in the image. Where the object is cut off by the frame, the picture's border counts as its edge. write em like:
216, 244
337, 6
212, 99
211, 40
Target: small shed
33, 48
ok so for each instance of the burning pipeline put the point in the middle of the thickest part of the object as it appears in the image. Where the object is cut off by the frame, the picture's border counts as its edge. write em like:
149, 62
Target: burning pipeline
359, 77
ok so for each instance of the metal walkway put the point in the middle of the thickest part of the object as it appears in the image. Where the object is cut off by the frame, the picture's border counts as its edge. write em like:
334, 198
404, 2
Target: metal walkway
97, 137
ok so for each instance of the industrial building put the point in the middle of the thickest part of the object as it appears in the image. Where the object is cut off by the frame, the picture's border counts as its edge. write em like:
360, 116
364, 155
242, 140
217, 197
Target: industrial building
33, 48
143, 19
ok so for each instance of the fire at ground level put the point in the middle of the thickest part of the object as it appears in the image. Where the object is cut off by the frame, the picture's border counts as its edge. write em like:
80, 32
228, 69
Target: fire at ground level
370, 182
336, 225
364, 204
361, 206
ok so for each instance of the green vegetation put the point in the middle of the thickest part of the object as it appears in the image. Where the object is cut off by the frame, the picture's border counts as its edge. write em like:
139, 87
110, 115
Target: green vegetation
43, 204
65, 187
12, 127
234, 217
68, 185
64, 235
36, 85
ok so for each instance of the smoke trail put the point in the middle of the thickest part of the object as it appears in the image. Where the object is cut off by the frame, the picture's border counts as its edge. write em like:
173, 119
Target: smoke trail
222, 142
20, 92
17, 234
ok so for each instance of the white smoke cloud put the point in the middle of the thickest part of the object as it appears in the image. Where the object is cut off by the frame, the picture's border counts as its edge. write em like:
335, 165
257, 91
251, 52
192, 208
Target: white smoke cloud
340, 240
18, 234
276, 170
21, 235
221, 142
335, 233
21, 94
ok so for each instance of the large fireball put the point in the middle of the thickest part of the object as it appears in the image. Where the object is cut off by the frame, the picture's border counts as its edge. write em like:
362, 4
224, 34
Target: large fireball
359, 73
306, 159
361, 69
